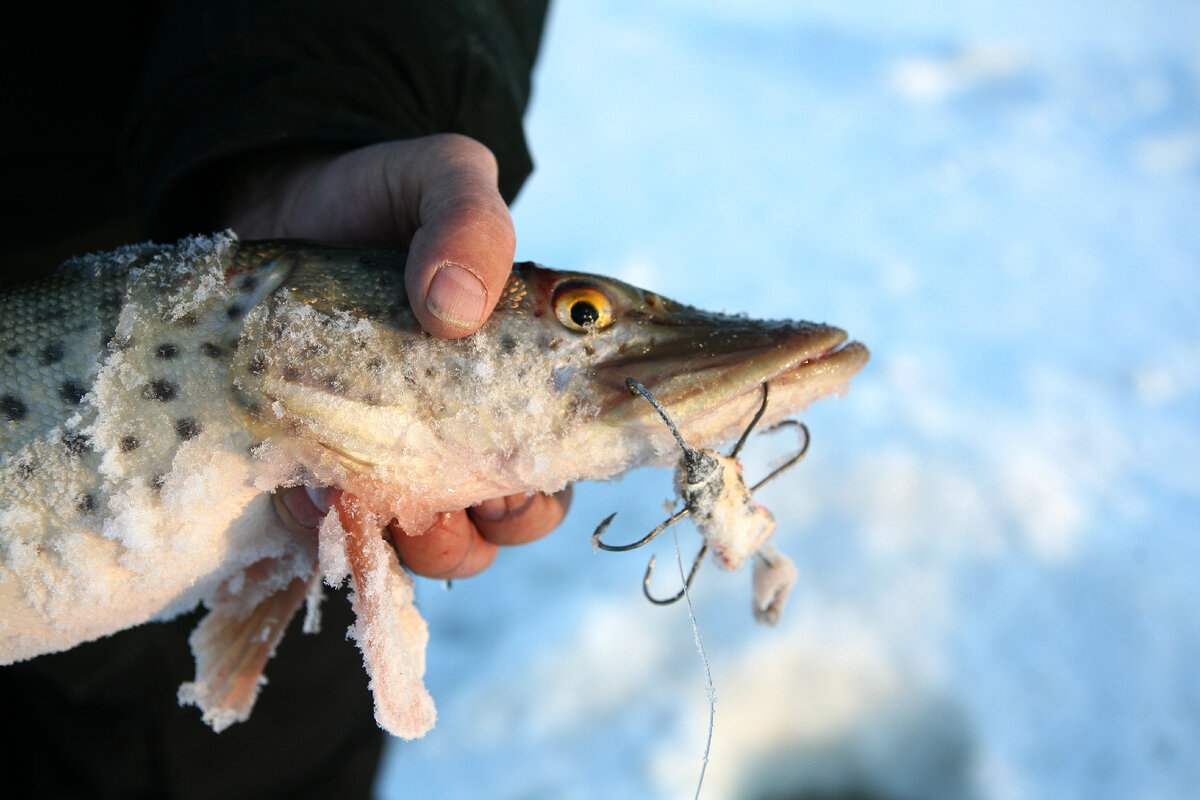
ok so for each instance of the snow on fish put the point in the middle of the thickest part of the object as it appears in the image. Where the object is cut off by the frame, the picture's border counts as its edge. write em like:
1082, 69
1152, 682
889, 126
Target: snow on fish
156, 399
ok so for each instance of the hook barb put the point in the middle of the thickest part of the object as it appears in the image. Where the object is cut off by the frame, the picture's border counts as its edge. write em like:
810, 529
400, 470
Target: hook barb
687, 583
620, 548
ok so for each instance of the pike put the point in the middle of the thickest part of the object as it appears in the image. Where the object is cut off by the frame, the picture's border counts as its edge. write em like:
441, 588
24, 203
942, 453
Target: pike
154, 399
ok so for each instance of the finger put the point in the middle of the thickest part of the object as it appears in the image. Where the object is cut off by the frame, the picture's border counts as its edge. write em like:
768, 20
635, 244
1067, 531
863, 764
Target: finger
520, 518
462, 250
435, 195
306, 504
302, 509
451, 548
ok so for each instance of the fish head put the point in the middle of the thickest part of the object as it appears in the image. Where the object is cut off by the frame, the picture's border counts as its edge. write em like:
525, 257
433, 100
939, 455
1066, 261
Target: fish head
336, 365
707, 369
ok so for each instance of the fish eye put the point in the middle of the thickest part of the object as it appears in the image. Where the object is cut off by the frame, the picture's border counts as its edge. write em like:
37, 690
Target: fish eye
582, 307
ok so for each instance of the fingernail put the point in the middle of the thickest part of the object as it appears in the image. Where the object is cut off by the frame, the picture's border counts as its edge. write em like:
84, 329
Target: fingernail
296, 510
457, 297
317, 495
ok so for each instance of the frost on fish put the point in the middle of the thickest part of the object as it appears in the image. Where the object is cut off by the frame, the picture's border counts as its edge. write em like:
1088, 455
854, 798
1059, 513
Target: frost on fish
109, 488
153, 398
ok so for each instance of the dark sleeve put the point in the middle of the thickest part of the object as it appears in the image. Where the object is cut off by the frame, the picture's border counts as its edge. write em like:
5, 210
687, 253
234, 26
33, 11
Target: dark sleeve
234, 77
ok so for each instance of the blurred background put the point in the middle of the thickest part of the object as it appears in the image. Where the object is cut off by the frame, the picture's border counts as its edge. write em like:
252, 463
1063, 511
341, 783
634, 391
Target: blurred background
997, 530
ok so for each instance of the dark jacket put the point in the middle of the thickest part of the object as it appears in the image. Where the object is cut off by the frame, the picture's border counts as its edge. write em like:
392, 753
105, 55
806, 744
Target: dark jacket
131, 113
114, 119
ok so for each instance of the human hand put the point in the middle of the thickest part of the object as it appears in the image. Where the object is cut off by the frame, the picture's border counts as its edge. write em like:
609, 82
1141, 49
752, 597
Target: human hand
437, 197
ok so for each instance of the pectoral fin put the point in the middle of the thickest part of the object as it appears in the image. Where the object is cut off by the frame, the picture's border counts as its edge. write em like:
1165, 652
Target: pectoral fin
232, 646
389, 630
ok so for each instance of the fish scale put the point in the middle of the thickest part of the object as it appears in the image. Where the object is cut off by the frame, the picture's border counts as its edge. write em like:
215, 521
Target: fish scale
58, 335
154, 398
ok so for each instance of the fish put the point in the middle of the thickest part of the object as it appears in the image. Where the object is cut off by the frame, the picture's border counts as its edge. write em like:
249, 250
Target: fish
156, 399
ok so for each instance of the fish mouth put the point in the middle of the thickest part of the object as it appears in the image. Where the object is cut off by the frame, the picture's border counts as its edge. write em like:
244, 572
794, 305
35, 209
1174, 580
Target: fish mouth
709, 375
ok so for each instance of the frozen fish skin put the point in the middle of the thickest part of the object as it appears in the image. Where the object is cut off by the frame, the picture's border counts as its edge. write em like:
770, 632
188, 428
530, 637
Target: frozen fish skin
152, 399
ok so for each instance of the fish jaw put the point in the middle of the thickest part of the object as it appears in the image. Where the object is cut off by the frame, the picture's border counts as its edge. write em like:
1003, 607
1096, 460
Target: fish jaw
709, 374
706, 368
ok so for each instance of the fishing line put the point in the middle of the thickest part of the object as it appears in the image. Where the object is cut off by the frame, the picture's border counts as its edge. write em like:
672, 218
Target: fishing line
709, 689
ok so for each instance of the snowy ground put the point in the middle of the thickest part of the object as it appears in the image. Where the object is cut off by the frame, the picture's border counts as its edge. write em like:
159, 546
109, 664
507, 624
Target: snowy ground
997, 530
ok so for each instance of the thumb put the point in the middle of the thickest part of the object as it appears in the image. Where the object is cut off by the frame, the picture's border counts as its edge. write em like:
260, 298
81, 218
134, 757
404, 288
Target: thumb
462, 250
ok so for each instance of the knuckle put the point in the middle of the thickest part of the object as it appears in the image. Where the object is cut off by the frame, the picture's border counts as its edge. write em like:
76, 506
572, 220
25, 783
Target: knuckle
479, 211
460, 149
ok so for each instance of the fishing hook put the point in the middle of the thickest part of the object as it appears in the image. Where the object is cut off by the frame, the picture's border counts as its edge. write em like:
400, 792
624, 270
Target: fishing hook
697, 466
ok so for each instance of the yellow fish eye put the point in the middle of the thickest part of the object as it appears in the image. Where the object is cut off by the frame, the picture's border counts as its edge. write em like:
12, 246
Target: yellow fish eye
582, 306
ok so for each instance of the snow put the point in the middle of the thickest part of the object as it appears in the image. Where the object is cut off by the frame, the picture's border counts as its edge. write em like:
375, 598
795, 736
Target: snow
994, 530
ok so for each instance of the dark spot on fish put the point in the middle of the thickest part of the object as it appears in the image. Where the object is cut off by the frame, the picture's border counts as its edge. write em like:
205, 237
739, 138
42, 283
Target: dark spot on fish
257, 365
507, 344
24, 470
187, 428
86, 503
375, 364
13, 352
211, 350
52, 354
371, 399
12, 408
160, 389
76, 443
291, 373
234, 311
166, 350
188, 320
249, 284
129, 443
429, 372
589, 349
156, 483
72, 392
333, 383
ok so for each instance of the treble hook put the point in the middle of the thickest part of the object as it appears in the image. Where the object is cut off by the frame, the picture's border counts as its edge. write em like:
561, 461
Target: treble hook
699, 467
